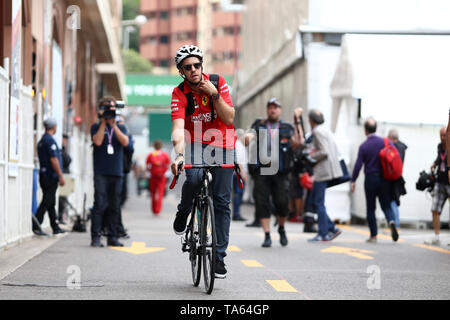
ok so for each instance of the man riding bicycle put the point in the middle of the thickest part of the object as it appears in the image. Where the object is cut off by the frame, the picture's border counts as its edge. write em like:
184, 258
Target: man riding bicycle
202, 118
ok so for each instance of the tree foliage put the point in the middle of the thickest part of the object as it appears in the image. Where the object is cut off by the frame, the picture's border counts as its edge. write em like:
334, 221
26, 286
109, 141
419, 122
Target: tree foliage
135, 63
130, 9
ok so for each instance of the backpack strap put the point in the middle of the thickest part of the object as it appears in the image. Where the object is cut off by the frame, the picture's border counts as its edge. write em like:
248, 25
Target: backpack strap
190, 109
214, 78
190, 100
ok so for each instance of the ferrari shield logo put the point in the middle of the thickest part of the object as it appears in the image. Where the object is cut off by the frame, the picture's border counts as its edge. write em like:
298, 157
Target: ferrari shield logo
205, 100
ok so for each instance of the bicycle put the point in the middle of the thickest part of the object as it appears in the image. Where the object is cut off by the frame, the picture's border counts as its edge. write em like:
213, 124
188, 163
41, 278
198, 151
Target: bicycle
199, 239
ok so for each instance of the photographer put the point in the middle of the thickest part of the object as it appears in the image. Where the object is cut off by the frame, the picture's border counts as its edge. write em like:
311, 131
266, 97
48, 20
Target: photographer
108, 139
441, 191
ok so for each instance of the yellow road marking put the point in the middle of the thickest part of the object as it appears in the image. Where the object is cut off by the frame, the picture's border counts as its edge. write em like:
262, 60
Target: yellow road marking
252, 263
356, 253
137, 248
281, 285
234, 249
424, 246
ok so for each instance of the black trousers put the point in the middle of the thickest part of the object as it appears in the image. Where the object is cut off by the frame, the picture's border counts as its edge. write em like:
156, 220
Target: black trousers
275, 186
48, 202
107, 193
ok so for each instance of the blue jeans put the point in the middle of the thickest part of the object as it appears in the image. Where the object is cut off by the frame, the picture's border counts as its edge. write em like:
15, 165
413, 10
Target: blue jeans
222, 187
237, 197
318, 204
375, 186
396, 213
107, 195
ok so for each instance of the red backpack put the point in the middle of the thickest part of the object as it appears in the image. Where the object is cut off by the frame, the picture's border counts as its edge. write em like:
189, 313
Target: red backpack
391, 163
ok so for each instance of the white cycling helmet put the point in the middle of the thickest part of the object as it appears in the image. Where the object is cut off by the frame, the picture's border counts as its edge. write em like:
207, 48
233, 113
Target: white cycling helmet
187, 51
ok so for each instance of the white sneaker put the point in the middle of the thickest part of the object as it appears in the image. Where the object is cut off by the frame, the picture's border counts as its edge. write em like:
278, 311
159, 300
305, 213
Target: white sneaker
433, 242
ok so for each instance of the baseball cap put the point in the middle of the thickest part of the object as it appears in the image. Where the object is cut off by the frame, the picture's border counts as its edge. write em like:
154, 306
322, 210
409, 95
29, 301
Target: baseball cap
274, 101
49, 123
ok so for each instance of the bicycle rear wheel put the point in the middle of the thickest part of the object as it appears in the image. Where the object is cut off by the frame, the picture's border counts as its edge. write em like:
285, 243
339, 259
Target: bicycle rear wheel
194, 240
208, 244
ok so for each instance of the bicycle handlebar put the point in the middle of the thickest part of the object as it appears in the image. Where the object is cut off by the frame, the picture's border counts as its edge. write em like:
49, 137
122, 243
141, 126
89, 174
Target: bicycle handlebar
203, 166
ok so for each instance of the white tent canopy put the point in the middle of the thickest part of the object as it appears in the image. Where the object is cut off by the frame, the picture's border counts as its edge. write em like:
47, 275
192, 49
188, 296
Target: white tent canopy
399, 78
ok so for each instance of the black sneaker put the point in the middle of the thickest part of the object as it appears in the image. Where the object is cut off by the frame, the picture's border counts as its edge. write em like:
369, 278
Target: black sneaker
220, 272
40, 233
124, 235
394, 232
267, 242
283, 238
97, 243
114, 243
58, 231
179, 225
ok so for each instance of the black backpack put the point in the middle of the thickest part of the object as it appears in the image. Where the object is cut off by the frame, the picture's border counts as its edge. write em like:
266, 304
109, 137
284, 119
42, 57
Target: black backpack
190, 109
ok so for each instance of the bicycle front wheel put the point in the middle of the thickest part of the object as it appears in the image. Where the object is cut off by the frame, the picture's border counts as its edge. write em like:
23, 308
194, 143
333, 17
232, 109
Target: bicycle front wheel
194, 241
208, 244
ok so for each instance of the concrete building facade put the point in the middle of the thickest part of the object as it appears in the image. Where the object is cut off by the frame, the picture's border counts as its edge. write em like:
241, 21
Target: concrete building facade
295, 51
56, 59
174, 23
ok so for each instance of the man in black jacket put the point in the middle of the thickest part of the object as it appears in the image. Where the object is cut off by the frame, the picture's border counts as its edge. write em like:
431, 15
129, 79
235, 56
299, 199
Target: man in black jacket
271, 174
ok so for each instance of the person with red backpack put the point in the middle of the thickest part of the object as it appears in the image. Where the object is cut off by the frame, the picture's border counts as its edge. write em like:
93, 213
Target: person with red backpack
375, 185
398, 187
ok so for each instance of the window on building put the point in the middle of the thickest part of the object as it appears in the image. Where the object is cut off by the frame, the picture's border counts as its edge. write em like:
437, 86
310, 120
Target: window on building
229, 31
150, 40
185, 11
164, 39
164, 15
150, 15
218, 32
164, 63
216, 6
182, 36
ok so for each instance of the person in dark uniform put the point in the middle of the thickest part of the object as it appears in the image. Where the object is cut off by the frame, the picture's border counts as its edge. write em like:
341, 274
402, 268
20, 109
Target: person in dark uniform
109, 139
50, 174
271, 178
66, 160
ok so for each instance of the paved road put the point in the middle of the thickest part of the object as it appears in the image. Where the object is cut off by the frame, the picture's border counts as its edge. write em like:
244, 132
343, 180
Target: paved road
346, 268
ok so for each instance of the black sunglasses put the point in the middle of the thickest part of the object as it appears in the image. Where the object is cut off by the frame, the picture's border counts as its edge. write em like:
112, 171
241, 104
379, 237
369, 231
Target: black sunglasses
188, 67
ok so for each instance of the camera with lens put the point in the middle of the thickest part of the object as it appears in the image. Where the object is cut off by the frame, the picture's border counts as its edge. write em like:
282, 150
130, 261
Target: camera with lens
426, 181
303, 162
109, 110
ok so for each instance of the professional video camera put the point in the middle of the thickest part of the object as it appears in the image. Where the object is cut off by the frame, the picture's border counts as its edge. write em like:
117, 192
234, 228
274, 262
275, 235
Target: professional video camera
303, 161
110, 110
425, 181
